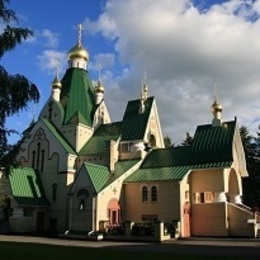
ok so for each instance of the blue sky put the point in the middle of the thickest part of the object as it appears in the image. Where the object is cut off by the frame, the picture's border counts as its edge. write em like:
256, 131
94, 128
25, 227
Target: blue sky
184, 48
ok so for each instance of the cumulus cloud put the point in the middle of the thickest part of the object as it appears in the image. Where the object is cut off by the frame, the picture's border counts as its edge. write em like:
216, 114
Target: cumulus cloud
51, 38
50, 59
185, 51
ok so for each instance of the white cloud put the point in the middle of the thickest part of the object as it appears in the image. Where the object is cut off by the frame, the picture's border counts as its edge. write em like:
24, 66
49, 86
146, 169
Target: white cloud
52, 39
184, 52
47, 61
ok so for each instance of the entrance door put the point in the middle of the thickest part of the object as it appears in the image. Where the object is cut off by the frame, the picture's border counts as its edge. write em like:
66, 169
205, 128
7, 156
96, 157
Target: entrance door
113, 213
40, 221
186, 220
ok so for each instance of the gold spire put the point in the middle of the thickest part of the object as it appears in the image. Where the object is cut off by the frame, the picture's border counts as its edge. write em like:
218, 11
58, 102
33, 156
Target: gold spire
56, 82
216, 106
78, 51
99, 88
145, 88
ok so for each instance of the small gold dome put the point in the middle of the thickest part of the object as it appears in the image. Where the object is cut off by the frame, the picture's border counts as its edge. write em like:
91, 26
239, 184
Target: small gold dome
78, 51
99, 88
216, 107
56, 83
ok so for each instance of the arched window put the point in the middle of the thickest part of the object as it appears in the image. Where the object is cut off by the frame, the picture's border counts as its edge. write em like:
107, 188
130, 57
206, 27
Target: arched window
152, 141
82, 195
54, 191
154, 193
42, 160
144, 194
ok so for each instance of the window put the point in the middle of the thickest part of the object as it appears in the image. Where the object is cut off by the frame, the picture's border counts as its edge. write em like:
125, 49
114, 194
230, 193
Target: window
33, 159
54, 191
144, 194
202, 197
186, 195
82, 195
38, 154
208, 197
154, 193
42, 160
126, 147
196, 197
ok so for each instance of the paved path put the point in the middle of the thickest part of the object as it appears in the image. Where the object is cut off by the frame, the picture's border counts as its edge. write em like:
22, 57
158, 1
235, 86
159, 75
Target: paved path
233, 248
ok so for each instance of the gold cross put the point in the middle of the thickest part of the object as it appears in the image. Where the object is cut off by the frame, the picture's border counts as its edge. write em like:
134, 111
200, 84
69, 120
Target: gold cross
80, 28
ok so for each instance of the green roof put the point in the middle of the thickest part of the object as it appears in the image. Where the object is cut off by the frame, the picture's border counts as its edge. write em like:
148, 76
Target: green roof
159, 174
213, 144
58, 136
134, 120
97, 143
211, 148
26, 187
77, 95
100, 175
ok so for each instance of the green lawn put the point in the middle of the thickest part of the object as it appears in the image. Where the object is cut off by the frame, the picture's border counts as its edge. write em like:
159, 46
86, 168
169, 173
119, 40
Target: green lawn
14, 250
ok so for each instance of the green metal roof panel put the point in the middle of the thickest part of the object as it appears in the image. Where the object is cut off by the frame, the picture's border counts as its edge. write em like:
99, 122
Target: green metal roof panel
208, 138
159, 174
97, 143
211, 148
100, 175
134, 120
26, 187
77, 95
167, 157
120, 168
58, 136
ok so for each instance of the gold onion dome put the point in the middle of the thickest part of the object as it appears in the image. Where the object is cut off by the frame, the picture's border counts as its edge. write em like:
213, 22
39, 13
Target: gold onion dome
78, 51
99, 88
56, 83
216, 107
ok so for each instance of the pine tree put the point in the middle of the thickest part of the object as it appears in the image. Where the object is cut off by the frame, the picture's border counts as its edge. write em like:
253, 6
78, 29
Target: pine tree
188, 140
16, 91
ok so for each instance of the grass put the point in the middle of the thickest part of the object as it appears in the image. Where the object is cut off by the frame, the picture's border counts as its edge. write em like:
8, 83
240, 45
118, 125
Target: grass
14, 250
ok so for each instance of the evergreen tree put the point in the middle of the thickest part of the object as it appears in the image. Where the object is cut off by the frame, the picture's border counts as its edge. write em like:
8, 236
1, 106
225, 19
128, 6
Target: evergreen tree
251, 184
167, 141
16, 91
188, 140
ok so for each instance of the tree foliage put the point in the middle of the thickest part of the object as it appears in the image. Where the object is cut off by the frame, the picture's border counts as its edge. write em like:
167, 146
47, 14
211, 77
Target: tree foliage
188, 140
167, 141
16, 91
251, 184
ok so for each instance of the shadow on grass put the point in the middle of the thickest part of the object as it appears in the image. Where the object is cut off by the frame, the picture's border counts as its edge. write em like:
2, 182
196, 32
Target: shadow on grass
16, 250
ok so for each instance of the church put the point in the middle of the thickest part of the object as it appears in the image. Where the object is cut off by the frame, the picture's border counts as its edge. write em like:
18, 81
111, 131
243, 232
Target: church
79, 170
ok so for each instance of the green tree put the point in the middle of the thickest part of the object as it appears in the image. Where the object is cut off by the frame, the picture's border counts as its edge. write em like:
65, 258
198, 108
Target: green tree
16, 91
188, 140
167, 141
251, 184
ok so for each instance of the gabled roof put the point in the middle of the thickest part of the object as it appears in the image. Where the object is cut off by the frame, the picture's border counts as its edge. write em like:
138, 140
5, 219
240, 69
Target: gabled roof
97, 143
100, 175
77, 95
211, 148
26, 187
134, 120
58, 136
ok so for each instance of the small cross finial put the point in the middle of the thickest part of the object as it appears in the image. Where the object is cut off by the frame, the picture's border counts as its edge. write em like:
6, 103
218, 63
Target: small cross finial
80, 29
57, 63
99, 71
215, 91
144, 77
